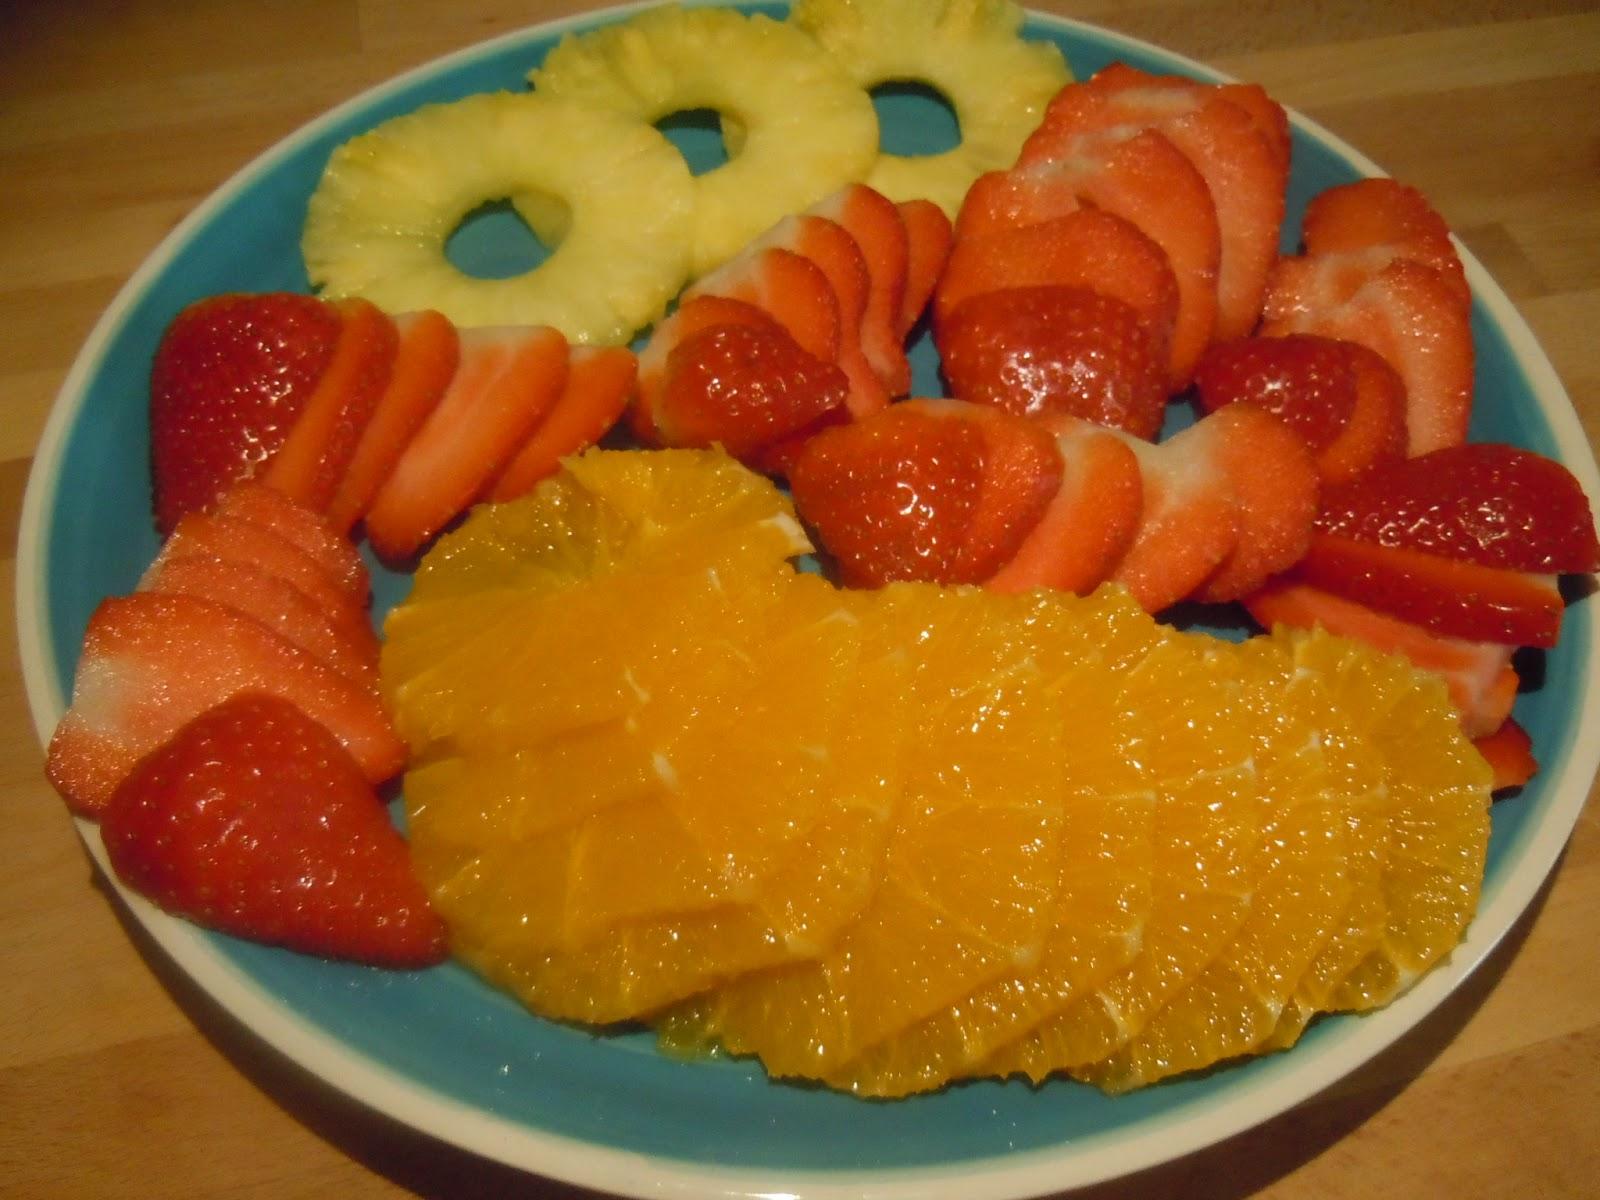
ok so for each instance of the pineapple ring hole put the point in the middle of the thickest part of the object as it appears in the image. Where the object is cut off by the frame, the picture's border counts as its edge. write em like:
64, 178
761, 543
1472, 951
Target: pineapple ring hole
917, 119
700, 136
501, 240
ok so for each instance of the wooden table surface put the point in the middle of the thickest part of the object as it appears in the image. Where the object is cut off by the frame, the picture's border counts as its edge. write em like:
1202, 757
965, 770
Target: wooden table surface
116, 118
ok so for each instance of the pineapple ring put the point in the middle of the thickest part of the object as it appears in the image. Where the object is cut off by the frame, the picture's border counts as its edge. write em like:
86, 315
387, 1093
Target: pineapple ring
971, 53
795, 126
614, 197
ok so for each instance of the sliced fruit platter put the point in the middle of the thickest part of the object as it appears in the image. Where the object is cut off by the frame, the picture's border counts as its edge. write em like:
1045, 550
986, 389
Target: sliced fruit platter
1369, 442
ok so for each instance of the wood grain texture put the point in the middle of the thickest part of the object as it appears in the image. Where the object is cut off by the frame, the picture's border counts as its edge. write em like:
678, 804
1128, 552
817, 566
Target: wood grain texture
118, 1079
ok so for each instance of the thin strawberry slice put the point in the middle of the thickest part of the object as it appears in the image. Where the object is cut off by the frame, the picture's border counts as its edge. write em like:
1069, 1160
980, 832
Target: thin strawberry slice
1091, 521
1477, 673
1372, 221
151, 662
1509, 753
1274, 482
1495, 505
426, 359
1135, 174
880, 231
599, 383
1189, 522
787, 285
1243, 169
280, 606
692, 315
313, 458
1375, 434
929, 235
508, 380
1448, 596
1088, 249
1407, 314
839, 256
266, 507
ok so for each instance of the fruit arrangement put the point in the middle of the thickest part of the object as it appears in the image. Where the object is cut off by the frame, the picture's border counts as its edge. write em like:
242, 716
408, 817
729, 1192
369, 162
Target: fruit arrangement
1093, 252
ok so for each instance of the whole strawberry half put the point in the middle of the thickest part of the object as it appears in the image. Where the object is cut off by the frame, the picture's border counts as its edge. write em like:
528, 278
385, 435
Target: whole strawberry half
254, 821
231, 374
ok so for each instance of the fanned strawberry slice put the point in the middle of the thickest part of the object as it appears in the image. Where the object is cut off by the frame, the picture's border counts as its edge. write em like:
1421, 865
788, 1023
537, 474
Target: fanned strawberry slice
426, 359
1091, 520
1376, 432
876, 224
1482, 683
1509, 753
692, 315
1087, 249
312, 460
253, 820
1449, 596
151, 662
1491, 504
1056, 349
1266, 114
786, 285
507, 381
599, 383
266, 507
1370, 222
928, 238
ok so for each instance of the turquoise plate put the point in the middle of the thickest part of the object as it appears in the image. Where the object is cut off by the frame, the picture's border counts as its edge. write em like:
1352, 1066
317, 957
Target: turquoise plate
444, 1053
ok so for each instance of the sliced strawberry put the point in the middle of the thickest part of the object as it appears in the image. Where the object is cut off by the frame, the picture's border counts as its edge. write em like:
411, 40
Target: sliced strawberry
1274, 482
313, 458
878, 228
231, 375
1495, 505
1087, 249
1376, 432
1135, 174
508, 380
787, 285
277, 604
253, 820
928, 238
932, 490
1243, 169
599, 383
1509, 753
1091, 520
1056, 349
839, 256
426, 359
745, 388
1477, 673
692, 315
1371, 221
1189, 522
1448, 596
1407, 314
266, 507
151, 662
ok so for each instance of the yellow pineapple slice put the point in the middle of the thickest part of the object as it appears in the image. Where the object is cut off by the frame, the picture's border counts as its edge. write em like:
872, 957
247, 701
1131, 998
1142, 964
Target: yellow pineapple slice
795, 126
971, 53
389, 200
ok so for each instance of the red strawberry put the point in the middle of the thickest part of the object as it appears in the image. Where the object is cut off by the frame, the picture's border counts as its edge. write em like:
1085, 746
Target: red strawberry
254, 821
1479, 674
1056, 349
599, 383
874, 221
1495, 505
508, 379
230, 377
938, 491
692, 315
928, 238
267, 508
1446, 595
1372, 221
1343, 401
1090, 522
1135, 174
1509, 753
744, 387
1087, 249
789, 287
426, 359
151, 662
